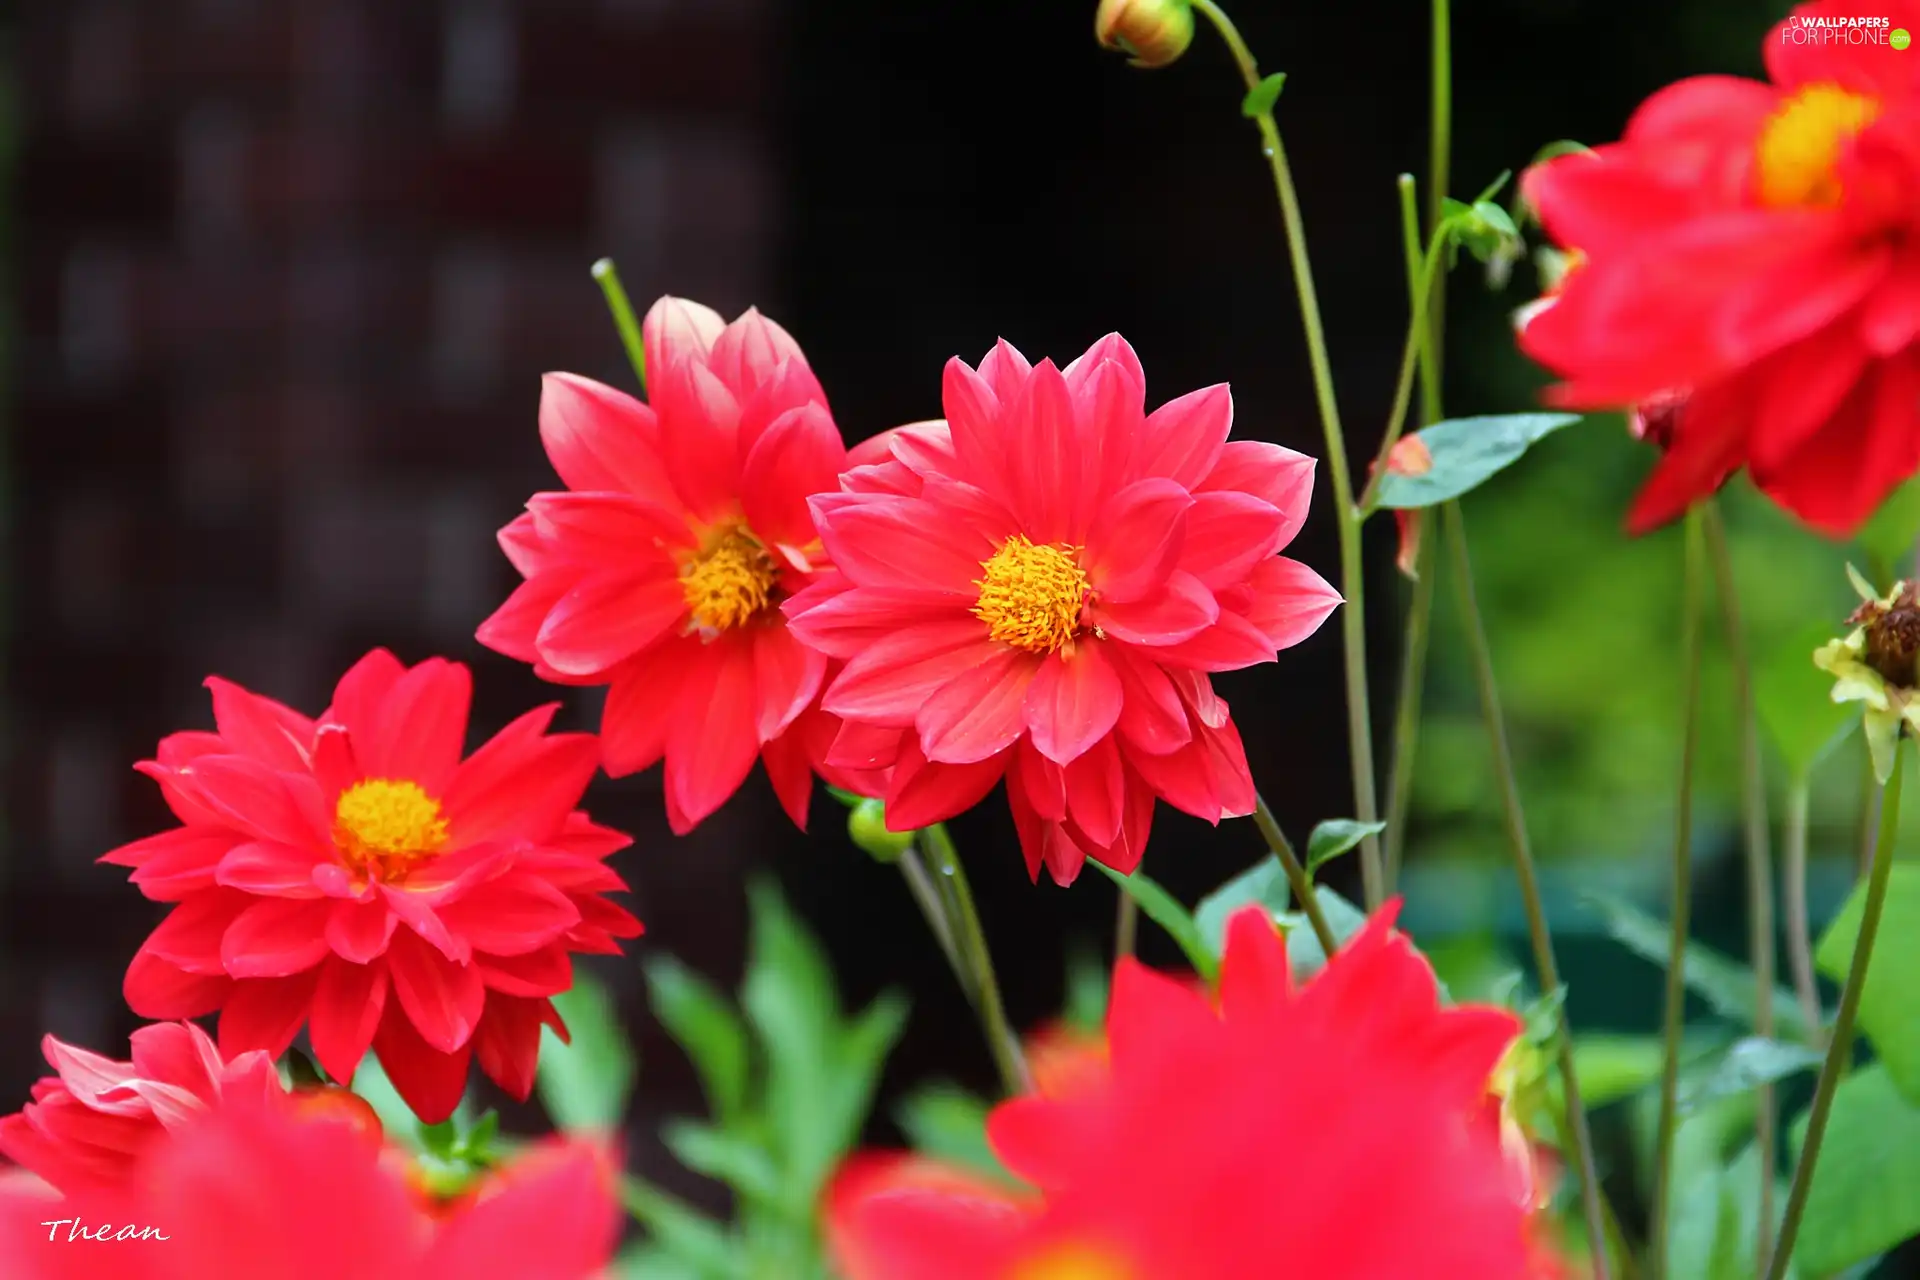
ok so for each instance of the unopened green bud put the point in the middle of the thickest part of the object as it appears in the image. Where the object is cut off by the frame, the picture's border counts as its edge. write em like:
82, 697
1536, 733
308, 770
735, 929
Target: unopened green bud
867, 827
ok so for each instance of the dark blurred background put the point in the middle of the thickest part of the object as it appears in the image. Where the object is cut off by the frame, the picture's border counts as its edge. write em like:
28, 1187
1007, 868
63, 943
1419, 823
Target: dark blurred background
282, 275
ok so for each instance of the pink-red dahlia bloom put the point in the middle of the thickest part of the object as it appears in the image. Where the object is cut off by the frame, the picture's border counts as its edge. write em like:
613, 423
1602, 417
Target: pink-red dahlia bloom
660, 572
1756, 246
1036, 589
275, 1196
90, 1121
353, 874
1329, 1130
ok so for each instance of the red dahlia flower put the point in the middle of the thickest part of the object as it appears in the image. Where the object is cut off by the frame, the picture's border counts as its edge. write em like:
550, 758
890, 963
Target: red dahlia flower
354, 874
1756, 245
1036, 588
271, 1196
661, 571
1332, 1131
89, 1122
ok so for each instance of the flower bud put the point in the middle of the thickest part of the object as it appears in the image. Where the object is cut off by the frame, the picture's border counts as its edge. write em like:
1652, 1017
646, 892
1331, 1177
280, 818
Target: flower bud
1152, 33
1877, 664
867, 827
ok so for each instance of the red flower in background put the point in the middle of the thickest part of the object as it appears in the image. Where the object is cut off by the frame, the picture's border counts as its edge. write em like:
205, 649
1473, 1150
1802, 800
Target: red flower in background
1036, 588
354, 874
661, 571
1754, 245
90, 1122
1332, 1131
270, 1196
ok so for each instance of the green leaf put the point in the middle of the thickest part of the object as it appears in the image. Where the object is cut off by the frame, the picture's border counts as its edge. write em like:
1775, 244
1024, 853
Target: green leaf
790, 1001
1465, 452
1795, 703
584, 1085
680, 1231
1890, 1002
1865, 1196
1890, 533
1264, 883
725, 1157
1612, 1067
439, 1139
1336, 836
1163, 910
1726, 985
948, 1123
705, 1024
1260, 99
1748, 1064
1087, 983
1304, 952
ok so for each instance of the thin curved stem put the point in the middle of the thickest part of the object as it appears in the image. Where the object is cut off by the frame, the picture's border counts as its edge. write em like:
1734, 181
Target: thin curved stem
933, 907
1676, 1002
1761, 930
1527, 876
1297, 878
616, 295
1439, 165
1353, 628
1417, 340
970, 942
1799, 927
1840, 1050
1126, 925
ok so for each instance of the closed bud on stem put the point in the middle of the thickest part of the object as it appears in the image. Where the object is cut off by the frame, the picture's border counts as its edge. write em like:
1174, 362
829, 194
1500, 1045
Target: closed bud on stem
1152, 33
1877, 664
867, 827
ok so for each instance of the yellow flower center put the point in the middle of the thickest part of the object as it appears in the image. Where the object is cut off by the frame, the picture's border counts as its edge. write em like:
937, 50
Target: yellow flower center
1801, 142
383, 826
1031, 596
729, 582
1073, 1262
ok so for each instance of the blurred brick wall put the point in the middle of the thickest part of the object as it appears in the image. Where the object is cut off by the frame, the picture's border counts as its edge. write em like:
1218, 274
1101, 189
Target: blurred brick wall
288, 273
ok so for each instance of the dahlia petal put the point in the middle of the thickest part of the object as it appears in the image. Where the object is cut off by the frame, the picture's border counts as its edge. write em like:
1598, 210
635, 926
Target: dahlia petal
1804, 385
1278, 476
508, 1041
1136, 825
1050, 474
441, 999
679, 329
1227, 535
257, 799
594, 528
189, 937
181, 1053
790, 770
1255, 981
901, 543
420, 917
1231, 643
511, 916
1110, 415
268, 867
157, 988
173, 864
699, 419
276, 937
1172, 616
1112, 349
924, 448
546, 972
1698, 463
1837, 479
863, 746
923, 793
641, 703
1040, 782
335, 765
265, 1014
886, 683
421, 726
1226, 759
840, 620
1152, 717
520, 783
889, 1216
361, 692
979, 712
1890, 317
523, 546
1095, 787
1139, 539
1073, 702
713, 741
560, 1220
601, 439
254, 726
431, 1082
88, 1075
749, 350
513, 628
973, 413
797, 456
1149, 1016
1005, 370
1182, 778
1290, 601
1182, 438
359, 932
610, 615
1043, 1140
348, 1002
786, 676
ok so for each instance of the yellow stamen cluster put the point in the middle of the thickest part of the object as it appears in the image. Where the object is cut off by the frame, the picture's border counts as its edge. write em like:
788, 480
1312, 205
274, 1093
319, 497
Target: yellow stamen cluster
1074, 1262
385, 826
1031, 595
1800, 145
729, 582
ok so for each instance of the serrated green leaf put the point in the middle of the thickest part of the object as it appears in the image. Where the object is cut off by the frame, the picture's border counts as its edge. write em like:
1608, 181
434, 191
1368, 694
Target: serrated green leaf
1865, 1196
704, 1023
584, 1085
1304, 954
1264, 883
438, 1139
477, 1143
1260, 99
1795, 703
1747, 1064
1725, 984
791, 1003
680, 1231
948, 1123
1890, 1002
1336, 836
1465, 452
725, 1157
1165, 911
859, 1054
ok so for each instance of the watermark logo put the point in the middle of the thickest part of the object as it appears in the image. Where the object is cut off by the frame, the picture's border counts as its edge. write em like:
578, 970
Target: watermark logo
78, 1230
1829, 30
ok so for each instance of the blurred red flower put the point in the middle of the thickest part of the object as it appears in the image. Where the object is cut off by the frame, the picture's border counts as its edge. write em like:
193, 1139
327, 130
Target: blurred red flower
1333, 1130
1035, 589
307, 845
89, 1122
272, 1196
1753, 245
661, 571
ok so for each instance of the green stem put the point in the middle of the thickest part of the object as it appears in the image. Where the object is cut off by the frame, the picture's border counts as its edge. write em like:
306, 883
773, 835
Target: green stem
1353, 629
1439, 164
1761, 929
1297, 877
1526, 874
1840, 1050
970, 941
1799, 927
1417, 341
1864, 826
616, 295
933, 907
1676, 1003
1126, 925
